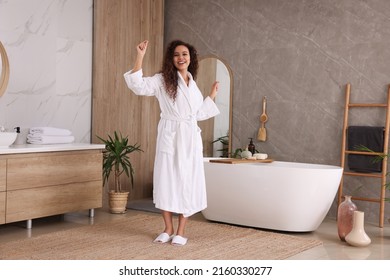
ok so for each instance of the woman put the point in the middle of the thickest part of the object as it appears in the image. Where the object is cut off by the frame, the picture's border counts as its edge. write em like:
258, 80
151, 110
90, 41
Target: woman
178, 180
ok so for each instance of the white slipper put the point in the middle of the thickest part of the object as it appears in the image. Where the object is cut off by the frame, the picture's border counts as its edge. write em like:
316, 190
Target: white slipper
163, 238
179, 240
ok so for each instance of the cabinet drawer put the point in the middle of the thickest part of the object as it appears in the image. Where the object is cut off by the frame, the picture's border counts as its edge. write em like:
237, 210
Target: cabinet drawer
49, 170
47, 201
3, 171
2, 208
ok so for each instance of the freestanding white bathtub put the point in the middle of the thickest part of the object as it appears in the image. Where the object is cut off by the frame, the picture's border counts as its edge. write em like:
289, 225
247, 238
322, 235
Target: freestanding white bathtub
285, 196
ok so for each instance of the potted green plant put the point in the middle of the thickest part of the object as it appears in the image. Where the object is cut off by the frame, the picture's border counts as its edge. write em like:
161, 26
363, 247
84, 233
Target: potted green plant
116, 159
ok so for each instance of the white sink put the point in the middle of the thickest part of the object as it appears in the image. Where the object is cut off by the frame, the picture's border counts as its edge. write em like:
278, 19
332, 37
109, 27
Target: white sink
7, 139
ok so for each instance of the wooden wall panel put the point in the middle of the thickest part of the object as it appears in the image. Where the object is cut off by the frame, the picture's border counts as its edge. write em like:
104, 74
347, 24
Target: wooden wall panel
118, 27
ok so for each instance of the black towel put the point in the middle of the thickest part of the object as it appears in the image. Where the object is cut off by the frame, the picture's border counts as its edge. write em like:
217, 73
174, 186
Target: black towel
370, 137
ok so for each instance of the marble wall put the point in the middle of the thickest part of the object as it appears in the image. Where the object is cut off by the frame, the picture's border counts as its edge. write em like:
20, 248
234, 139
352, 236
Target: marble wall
49, 46
300, 54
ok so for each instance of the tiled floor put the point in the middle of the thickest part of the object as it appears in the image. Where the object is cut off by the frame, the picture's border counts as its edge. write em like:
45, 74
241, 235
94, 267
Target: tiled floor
332, 249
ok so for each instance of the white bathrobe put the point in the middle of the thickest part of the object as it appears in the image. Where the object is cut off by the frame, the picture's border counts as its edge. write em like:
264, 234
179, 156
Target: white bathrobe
178, 180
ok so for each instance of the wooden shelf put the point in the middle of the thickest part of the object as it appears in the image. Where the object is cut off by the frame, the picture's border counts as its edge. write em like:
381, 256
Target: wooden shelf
367, 105
373, 175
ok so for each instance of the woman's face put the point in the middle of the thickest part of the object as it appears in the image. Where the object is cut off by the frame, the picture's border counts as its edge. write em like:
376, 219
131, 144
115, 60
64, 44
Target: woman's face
181, 57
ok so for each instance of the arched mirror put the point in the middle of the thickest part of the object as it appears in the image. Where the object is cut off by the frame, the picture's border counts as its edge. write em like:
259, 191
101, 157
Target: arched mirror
216, 132
4, 70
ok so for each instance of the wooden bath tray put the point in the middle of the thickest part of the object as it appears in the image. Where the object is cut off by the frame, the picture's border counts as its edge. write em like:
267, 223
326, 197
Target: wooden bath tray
239, 160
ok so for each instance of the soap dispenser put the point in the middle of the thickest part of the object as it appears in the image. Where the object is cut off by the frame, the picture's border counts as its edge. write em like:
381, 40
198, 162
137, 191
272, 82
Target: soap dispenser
251, 146
19, 139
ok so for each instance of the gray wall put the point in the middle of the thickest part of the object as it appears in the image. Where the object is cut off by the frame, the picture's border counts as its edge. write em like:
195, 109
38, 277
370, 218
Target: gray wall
300, 54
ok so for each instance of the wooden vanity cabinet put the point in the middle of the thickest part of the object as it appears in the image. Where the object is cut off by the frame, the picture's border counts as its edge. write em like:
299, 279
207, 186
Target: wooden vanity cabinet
50, 183
2, 190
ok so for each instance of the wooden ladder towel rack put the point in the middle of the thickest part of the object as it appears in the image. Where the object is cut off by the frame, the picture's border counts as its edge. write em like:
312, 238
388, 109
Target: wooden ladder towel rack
344, 152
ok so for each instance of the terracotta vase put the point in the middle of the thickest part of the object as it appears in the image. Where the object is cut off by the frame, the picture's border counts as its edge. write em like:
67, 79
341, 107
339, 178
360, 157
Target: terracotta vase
345, 217
357, 236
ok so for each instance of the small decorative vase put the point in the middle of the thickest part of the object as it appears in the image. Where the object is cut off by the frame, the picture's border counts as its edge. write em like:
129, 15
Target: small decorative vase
246, 153
345, 217
357, 236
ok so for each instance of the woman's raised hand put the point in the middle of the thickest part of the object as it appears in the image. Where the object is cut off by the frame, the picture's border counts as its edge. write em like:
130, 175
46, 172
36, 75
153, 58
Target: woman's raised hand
141, 47
141, 50
214, 90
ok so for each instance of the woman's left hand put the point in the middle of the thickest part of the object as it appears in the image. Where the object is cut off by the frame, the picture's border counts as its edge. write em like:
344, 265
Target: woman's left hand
214, 90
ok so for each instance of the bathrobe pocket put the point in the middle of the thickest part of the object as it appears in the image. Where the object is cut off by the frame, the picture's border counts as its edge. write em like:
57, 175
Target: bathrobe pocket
199, 142
167, 142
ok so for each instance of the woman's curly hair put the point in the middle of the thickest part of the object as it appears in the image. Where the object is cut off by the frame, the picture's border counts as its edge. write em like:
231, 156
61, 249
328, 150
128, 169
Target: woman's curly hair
169, 71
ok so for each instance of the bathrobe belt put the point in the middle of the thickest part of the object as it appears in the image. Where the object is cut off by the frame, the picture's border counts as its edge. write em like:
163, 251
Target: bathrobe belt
190, 118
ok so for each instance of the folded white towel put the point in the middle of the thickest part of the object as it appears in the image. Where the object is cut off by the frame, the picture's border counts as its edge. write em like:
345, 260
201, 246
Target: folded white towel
50, 139
50, 131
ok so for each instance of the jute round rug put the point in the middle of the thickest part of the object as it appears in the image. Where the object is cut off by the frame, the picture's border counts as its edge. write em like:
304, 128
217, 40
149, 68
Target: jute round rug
131, 238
